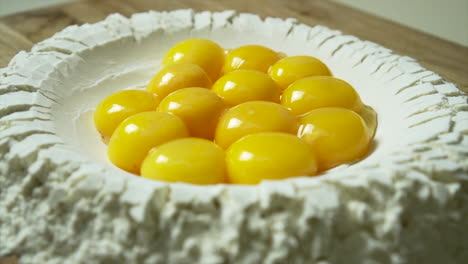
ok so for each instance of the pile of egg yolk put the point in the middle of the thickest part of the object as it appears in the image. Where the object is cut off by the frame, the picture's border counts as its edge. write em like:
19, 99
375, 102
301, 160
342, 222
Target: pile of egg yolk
238, 116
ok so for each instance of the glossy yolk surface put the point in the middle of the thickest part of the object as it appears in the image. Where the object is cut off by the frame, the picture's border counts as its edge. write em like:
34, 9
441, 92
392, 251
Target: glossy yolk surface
271, 156
199, 108
370, 117
290, 69
178, 76
120, 105
337, 135
190, 160
245, 85
253, 117
136, 135
285, 117
311, 93
250, 57
205, 53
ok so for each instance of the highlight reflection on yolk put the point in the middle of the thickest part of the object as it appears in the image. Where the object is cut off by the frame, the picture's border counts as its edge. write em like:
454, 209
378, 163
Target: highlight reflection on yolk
250, 57
290, 69
202, 52
190, 160
337, 135
245, 85
269, 156
199, 108
253, 117
311, 93
178, 76
136, 135
118, 106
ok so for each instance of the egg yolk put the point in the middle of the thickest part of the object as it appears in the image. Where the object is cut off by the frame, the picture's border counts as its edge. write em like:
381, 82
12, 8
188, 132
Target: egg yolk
136, 135
205, 53
245, 85
290, 69
191, 160
370, 117
269, 156
311, 93
253, 117
120, 105
337, 135
250, 57
199, 108
178, 76
241, 116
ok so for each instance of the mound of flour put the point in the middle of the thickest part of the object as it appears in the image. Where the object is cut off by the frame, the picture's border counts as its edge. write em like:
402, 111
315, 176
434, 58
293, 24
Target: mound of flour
61, 202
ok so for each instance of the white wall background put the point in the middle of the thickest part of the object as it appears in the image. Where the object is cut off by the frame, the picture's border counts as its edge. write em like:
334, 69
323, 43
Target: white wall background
447, 19
13, 6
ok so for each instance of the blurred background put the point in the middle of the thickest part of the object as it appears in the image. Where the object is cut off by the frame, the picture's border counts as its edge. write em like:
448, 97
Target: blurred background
447, 19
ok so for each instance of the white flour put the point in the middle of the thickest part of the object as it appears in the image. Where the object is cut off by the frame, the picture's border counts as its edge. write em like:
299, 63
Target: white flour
62, 202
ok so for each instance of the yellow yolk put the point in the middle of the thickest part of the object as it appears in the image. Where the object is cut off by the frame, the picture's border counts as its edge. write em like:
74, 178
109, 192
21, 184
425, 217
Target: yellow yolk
190, 160
269, 156
118, 106
290, 69
337, 135
240, 116
253, 117
244, 85
205, 53
250, 57
370, 117
199, 108
136, 135
178, 76
311, 93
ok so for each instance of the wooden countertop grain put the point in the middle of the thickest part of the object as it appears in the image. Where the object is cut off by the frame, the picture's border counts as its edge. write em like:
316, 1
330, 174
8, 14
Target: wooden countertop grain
450, 60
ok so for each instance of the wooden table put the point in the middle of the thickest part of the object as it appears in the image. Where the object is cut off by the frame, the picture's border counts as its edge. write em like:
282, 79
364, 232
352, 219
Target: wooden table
21, 31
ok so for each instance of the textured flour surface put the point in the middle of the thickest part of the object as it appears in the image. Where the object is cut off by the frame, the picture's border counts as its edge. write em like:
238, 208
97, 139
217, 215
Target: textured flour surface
61, 202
